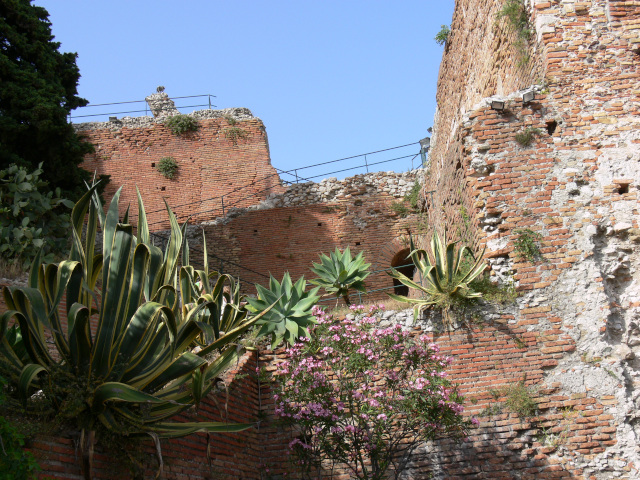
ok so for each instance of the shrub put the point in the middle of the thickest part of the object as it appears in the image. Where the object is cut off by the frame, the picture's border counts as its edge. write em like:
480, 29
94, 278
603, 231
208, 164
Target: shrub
339, 273
31, 217
446, 274
365, 396
168, 167
442, 36
182, 124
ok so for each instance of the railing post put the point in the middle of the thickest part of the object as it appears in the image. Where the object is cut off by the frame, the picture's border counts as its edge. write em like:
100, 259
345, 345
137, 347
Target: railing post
366, 164
296, 172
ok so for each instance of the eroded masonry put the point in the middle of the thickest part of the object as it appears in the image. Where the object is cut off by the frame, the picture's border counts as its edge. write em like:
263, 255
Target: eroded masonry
535, 143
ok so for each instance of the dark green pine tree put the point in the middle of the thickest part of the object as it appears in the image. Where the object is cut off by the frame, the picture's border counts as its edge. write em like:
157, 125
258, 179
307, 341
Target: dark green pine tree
38, 89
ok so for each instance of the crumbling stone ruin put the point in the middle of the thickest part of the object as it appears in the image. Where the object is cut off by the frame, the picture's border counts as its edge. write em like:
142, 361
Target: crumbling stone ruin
535, 144
546, 149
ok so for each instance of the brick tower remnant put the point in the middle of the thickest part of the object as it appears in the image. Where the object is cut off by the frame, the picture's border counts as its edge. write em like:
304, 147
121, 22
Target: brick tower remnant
541, 144
216, 170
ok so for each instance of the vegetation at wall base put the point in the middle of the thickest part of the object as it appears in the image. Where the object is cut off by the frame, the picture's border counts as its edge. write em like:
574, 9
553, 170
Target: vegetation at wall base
365, 397
443, 35
339, 273
39, 90
15, 462
446, 278
157, 349
182, 124
168, 167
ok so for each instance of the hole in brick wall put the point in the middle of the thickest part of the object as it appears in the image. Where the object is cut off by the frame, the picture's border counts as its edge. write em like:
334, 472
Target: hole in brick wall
319, 224
162, 189
357, 203
255, 231
404, 265
624, 188
551, 126
357, 243
458, 165
153, 164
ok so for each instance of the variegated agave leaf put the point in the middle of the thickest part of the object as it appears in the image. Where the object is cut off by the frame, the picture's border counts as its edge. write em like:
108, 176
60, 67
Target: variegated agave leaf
445, 276
127, 345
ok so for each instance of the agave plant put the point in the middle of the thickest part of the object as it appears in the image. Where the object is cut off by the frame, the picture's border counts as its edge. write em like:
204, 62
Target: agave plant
291, 315
340, 272
124, 360
445, 276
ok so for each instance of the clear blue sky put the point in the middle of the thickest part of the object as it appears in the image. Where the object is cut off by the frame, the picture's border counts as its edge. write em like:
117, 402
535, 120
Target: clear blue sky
330, 79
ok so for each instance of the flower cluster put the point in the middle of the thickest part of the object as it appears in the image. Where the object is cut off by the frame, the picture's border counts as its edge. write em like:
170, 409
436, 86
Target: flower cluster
365, 396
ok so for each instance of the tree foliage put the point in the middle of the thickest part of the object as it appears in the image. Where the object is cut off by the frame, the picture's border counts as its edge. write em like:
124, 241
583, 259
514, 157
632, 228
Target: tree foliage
39, 89
31, 217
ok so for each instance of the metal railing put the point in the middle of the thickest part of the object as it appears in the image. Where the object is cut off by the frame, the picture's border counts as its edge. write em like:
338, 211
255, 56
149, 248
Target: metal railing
220, 205
146, 110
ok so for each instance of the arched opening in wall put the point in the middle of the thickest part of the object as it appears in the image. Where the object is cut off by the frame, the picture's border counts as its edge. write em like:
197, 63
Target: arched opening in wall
405, 266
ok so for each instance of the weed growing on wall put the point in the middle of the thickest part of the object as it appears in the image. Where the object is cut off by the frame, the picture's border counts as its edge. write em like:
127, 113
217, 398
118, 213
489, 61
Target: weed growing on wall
234, 134
526, 137
410, 202
527, 244
168, 167
517, 17
400, 208
442, 36
182, 124
520, 399
504, 294
230, 120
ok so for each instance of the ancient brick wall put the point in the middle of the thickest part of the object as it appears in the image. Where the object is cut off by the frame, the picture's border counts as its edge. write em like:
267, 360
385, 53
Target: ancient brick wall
217, 168
231, 456
287, 232
575, 189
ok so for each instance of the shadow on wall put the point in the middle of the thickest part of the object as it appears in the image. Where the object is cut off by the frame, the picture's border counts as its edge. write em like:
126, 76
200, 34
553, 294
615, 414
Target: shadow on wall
290, 239
402, 262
